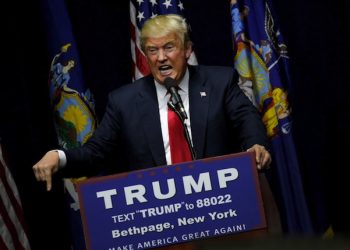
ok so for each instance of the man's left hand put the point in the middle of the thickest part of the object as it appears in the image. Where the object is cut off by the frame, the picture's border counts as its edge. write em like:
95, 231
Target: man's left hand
262, 156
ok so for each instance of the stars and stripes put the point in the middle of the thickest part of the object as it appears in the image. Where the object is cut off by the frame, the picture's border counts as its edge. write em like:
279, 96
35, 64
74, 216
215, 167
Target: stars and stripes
12, 229
140, 11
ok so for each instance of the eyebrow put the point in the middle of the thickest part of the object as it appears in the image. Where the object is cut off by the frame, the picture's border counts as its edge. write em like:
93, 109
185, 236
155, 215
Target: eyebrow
167, 43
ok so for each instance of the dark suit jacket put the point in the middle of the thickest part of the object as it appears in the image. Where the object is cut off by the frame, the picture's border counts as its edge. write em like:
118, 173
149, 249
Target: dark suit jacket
131, 132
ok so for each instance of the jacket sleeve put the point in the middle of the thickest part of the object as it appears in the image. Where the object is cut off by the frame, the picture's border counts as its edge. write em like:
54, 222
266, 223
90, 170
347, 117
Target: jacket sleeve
244, 116
87, 159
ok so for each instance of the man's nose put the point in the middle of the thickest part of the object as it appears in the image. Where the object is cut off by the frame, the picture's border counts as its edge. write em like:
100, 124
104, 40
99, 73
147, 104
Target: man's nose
162, 55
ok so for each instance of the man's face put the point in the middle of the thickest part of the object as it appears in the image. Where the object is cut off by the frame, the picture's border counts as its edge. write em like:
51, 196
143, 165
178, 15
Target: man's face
167, 57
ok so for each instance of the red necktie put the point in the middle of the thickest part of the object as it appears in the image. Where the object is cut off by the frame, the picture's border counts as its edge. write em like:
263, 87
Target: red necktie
180, 152
179, 147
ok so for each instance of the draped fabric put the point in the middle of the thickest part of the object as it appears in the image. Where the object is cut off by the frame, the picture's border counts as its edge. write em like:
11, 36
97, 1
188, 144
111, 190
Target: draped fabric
261, 59
13, 234
72, 102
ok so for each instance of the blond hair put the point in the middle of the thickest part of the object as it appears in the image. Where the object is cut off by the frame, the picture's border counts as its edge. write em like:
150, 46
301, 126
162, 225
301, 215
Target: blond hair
163, 25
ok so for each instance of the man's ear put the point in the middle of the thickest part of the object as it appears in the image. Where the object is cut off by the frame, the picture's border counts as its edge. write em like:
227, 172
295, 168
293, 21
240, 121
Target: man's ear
188, 50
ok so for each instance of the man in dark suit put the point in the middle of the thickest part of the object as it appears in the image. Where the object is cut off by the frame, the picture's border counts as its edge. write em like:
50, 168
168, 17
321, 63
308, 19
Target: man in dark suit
220, 116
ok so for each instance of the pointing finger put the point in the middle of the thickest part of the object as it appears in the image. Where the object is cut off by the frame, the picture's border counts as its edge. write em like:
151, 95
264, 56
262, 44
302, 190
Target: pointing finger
48, 179
48, 183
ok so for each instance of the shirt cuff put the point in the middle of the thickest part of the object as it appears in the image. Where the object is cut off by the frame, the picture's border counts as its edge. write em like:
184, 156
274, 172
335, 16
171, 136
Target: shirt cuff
63, 159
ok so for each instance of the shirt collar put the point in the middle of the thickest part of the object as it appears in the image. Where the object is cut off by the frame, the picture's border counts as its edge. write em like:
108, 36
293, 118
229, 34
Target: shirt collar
183, 86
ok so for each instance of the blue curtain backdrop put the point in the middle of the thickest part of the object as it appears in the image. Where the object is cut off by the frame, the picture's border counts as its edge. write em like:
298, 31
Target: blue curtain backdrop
26, 126
318, 63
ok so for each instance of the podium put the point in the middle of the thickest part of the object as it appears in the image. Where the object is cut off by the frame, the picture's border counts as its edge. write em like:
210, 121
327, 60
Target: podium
174, 204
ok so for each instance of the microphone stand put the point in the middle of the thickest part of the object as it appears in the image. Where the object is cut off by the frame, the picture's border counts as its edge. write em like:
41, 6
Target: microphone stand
187, 134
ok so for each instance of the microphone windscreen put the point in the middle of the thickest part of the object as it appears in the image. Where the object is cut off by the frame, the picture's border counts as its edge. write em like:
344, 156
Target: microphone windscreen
169, 82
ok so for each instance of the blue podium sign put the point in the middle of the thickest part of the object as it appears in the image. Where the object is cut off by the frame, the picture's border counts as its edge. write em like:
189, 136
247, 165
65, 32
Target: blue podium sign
172, 204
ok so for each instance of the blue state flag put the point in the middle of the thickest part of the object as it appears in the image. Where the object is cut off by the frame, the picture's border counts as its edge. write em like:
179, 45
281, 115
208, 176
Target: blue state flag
72, 102
262, 62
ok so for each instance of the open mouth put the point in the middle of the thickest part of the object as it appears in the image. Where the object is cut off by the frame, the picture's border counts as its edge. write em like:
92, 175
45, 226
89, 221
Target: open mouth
165, 70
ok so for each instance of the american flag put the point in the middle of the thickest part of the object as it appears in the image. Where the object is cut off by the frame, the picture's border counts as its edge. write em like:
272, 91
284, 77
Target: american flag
12, 229
140, 11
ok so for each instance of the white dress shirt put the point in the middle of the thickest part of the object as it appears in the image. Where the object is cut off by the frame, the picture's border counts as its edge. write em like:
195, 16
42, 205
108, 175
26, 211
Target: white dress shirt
163, 98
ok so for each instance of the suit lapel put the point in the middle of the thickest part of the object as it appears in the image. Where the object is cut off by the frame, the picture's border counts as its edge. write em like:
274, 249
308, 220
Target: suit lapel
148, 107
199, 95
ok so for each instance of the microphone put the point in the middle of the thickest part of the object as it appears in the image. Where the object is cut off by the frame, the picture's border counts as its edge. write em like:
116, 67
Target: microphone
175, 100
